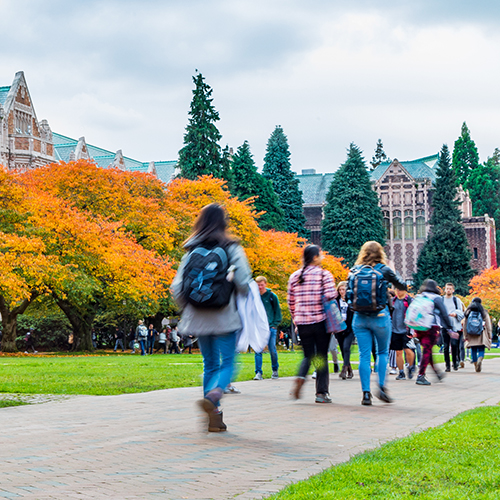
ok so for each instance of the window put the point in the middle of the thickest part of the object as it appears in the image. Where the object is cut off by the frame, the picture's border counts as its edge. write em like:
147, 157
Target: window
384, 199
408, 198
475, 254
387, 228
420, 225
409, 228
396, 225
396, 200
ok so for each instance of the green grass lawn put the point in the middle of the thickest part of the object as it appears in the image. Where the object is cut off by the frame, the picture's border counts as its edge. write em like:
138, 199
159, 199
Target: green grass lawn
4, 403
458, 460
106, 374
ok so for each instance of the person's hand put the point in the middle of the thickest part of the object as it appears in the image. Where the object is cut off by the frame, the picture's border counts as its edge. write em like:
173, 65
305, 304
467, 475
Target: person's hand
453, 315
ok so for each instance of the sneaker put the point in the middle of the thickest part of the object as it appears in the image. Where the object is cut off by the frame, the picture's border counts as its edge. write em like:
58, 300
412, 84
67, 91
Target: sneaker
230, 389
258, 376
392, 372
401, 375
479, 363
275, 375
462, 364
383, 395
367, 399
421, 380
323, 398
440, 375
314, 374
411, 371
448, 369
455, 367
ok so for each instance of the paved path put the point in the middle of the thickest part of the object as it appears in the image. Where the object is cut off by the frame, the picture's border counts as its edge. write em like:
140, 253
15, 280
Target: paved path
152, 445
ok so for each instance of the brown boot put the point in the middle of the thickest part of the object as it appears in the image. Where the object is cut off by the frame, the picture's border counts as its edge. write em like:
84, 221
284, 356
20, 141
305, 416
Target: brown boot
350, 373
343, 373
297, 386
215, 423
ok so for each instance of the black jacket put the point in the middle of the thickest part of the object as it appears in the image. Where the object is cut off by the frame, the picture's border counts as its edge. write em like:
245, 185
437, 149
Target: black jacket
350, 314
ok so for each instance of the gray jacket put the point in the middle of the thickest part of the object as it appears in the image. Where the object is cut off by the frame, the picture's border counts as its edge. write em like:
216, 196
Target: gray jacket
214, 321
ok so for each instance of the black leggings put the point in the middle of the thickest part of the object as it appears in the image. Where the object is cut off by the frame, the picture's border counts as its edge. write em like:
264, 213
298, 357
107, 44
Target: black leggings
345, 339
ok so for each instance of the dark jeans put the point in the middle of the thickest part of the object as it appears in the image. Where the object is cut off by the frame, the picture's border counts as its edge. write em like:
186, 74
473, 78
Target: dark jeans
174, 346
151, 344
455, 348
427, 339
119, 343
345, 339
315, 343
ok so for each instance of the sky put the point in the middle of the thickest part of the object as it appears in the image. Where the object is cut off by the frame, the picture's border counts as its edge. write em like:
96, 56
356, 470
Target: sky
330, 72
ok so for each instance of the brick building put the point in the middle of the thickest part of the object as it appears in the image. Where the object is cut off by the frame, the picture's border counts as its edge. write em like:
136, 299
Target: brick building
405, 192
27, 143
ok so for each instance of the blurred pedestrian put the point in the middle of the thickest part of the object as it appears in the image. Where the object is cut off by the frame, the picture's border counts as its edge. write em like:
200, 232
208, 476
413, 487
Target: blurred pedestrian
477, 331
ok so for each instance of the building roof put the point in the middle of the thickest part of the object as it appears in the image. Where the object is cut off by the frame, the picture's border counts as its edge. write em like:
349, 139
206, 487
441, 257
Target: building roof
315, 187
4, 92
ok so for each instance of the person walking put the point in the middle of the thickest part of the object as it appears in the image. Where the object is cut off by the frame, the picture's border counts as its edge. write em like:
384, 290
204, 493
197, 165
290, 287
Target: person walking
455, 310
402, 340
162, 341
30, 341
306, 289
174, 341
210, 275
273, 311
477, 331
141, 334
372, 321
151, 339
428, 338
345, 338
119, 339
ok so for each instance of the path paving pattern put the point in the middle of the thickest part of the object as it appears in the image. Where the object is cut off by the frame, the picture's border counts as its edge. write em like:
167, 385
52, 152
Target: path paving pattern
153, 445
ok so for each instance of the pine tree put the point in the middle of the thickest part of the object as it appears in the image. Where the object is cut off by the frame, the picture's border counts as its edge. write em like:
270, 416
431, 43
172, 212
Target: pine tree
277, 169
226, 167
445, 256
484, 190
247, 182
352, 214
465, 156
379, 156
201, 154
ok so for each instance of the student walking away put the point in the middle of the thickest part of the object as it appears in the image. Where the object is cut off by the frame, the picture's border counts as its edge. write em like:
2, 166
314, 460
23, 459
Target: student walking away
402, 339
455, 310
477, 331
306, 289
174, 341
345, 338
119, 335
141, 334
151, 339
162, 341
273, 311
372, 321
29, 339
426, 314
214, 269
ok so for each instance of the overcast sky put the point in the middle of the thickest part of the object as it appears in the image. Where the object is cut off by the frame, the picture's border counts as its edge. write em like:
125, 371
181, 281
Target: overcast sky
330, 72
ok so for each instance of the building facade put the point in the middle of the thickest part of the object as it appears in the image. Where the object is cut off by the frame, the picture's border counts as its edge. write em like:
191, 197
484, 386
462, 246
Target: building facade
405, 192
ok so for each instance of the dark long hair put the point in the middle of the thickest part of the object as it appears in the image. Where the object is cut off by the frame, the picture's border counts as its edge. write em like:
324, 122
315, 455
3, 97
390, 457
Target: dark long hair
476, 305
210, 227
310, 251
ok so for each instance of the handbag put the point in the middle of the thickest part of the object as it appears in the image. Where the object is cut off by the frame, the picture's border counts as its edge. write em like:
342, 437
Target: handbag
334, 321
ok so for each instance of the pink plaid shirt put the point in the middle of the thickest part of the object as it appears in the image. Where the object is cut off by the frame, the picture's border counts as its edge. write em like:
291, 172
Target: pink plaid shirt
305, 299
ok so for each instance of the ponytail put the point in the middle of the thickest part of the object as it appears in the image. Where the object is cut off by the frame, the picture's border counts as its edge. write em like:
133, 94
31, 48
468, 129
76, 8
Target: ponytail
310, 252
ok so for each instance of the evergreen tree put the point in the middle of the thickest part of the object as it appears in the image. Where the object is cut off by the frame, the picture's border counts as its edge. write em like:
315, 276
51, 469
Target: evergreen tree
201, 154
484, 190
445, 256
247, 182
352, 214
277, 169
379, 156
465, 156
226, 167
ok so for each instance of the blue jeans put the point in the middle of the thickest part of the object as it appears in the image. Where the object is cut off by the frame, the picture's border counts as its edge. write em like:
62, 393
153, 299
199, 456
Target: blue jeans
151, 344
142, 342
272, 351
218, 360
477, 352
119, 343
367, 328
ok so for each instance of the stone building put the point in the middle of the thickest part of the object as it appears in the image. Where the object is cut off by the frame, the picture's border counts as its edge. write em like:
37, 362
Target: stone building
405, 192
27, 143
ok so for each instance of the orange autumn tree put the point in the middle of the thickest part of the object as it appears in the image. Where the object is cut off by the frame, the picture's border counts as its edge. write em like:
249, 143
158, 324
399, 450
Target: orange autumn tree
487, 286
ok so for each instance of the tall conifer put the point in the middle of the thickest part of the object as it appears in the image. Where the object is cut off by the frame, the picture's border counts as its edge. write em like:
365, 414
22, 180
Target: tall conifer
379, 155
352, 214
465, 156
247, 182
201, 154
445, 256
277, 169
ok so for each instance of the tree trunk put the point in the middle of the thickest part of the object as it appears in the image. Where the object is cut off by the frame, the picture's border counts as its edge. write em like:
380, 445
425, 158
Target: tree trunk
81, 323
9, 322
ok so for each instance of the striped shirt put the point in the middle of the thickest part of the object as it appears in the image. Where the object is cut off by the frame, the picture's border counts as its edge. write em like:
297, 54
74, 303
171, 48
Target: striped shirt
305, 299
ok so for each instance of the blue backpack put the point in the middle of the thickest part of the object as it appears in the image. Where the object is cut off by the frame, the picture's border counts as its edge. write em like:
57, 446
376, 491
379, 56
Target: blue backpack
474, 323
366, 289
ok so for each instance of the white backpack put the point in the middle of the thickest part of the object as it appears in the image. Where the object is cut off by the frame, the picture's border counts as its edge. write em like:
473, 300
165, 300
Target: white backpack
420, 313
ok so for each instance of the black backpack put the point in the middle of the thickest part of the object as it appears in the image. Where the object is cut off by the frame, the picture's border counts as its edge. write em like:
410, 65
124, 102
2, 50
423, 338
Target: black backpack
204, 281
366, 289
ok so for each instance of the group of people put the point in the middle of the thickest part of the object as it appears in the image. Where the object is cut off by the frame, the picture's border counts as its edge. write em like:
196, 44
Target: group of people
215, 269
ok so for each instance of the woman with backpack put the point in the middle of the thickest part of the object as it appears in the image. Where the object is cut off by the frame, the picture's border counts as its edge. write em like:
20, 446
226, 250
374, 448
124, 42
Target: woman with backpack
210, 275
477, 331
368, 296
345, 337
306, 289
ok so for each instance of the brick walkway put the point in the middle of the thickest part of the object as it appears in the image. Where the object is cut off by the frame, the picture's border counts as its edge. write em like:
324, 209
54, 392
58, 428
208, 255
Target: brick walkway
152, 445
